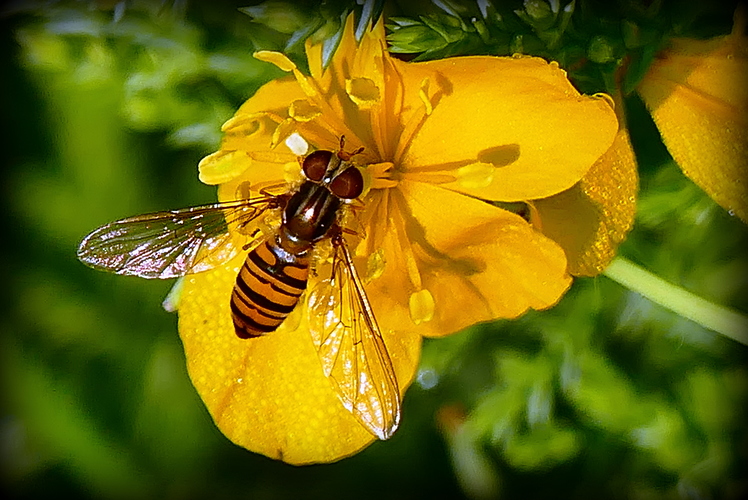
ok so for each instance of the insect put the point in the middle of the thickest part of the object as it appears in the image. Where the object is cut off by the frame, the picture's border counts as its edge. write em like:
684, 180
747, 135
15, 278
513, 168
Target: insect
274, 275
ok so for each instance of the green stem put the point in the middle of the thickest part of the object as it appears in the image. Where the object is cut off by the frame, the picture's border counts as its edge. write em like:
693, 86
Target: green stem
707, 314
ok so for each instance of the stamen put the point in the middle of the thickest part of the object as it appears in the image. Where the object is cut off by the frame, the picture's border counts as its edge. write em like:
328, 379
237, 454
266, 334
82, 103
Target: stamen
429, 177
375, 264
476, 175
272, 157
280, 60
400, 224
223, 166
297, 144
310, 89
302, 111
422, 306
417, 120
423, 94
282, 131
363, 92
250, 124
386, 123
380, 175
246, 124
292, 172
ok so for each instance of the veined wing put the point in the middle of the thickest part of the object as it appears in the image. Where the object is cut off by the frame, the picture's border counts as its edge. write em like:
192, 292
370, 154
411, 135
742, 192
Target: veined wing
350, 346
173, 243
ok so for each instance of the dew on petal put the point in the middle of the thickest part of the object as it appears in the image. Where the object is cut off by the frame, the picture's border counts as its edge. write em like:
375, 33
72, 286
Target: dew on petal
422, 306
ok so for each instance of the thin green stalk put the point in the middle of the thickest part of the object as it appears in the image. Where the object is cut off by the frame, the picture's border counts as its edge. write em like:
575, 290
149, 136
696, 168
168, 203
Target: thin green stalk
707, 314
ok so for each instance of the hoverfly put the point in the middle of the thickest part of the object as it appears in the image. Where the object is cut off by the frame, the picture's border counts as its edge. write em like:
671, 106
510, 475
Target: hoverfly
274, 274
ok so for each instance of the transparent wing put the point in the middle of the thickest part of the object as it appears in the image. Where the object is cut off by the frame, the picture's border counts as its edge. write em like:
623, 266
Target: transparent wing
173, 243
351, 349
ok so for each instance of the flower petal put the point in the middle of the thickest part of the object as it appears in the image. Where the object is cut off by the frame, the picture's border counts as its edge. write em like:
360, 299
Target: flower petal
697, 93
602, 207
269, 394
274, 96
476, 261
519, 121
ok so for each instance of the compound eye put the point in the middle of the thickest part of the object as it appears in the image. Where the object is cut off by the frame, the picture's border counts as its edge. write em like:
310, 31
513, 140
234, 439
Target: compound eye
348, 184
315, 164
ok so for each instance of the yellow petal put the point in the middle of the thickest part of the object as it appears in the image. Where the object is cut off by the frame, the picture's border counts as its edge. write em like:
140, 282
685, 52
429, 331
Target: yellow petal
476, 262
269, 394
529, 131
275, 95
697, 93
592, 218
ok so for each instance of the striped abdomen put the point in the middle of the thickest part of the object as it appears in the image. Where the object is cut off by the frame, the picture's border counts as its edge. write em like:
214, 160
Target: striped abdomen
267, 289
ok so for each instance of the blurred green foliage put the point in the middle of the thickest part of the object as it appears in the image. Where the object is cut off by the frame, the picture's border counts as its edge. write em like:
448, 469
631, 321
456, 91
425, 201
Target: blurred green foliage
109, 106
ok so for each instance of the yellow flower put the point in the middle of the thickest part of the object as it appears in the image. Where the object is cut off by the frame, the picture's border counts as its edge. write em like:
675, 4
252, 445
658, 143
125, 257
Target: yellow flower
697, 93
601, 205
442, 141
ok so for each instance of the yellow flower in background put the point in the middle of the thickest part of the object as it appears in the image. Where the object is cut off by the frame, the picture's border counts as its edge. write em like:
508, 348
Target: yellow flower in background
443, 143
697, 93
602, 206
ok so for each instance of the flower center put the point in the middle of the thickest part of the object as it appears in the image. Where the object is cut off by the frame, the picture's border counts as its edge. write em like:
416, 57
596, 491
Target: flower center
382, 175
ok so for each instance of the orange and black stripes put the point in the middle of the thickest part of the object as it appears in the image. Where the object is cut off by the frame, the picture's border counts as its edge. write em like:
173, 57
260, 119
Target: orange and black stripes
267, 289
